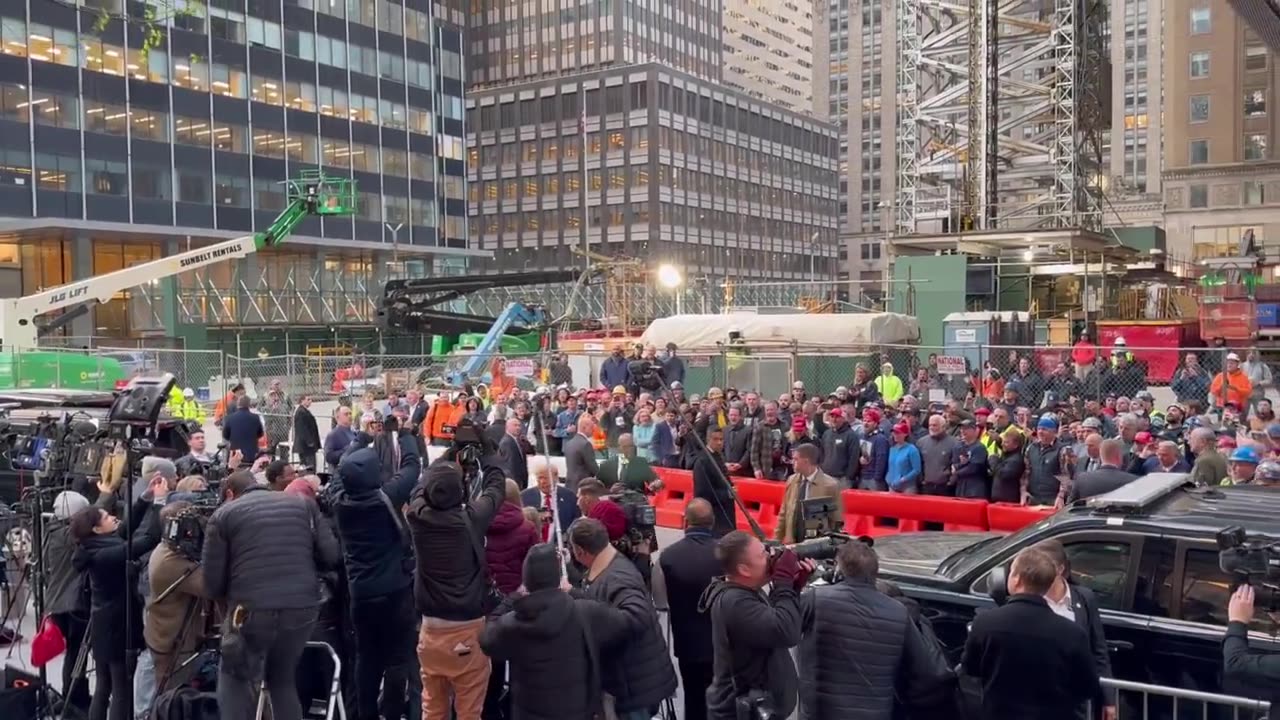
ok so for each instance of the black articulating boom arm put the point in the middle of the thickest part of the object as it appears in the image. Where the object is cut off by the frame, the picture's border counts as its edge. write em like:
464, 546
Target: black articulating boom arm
412, 305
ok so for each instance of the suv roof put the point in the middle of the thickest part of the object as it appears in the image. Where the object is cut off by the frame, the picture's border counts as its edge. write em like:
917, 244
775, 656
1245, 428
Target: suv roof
1166, 501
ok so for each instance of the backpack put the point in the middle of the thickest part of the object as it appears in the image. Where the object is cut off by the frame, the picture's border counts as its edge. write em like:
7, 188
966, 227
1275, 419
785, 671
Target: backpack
185, 703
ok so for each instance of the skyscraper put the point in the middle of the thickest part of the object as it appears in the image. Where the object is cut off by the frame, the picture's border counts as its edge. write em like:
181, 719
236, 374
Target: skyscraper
769, 51
114, 154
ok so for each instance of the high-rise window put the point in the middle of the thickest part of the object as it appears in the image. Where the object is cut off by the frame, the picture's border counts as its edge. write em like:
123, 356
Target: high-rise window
1255, 57
1255, 146
1198, 152
1200, 21
1200, 64
1199, 108
1255, 103
1199, 196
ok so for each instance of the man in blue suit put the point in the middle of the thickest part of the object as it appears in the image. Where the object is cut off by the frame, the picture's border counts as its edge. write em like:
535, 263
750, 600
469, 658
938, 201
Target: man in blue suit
541, 497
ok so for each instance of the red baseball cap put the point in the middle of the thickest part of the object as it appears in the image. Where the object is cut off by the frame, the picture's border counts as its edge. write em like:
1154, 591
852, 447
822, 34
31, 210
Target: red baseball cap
902, 429
871, 415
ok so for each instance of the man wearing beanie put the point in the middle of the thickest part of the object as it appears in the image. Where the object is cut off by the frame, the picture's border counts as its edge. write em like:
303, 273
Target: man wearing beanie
63, 598
553, 644
452, 585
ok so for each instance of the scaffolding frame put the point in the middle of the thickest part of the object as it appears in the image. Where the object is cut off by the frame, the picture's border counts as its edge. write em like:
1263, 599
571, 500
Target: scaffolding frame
1000, 120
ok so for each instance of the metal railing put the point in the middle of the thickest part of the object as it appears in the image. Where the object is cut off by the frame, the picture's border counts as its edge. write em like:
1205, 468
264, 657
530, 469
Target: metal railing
1140, 701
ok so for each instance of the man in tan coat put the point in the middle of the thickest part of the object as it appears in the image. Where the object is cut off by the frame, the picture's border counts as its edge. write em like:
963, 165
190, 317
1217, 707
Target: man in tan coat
807, 482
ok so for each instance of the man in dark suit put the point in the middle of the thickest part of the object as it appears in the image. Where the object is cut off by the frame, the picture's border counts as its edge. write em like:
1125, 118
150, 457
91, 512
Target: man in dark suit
1078, 604
1106, 478
1031, 662
242, 428
580, 454
712, 486
306, 434
540, 497
514, 462
687, 569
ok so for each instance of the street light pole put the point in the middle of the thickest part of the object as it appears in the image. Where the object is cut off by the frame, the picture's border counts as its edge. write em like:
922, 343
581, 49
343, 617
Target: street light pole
395, 241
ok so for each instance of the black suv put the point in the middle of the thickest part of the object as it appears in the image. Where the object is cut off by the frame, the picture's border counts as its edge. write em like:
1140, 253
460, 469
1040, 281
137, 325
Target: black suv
1148, 552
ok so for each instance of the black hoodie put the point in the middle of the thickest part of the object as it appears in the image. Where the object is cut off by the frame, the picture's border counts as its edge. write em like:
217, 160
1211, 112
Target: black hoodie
450, 584
751, 636
552, 674
372, 546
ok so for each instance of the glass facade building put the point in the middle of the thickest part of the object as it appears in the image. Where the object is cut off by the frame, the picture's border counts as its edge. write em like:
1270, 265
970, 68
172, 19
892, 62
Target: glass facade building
670, 168
132, 138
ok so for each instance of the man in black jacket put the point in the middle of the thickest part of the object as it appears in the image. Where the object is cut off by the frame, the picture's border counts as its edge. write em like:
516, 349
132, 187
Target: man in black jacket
306, 434
841, 450
688, 567
554, 643
737, 444
751, 634
1031, 662
1106, 478
379, 562
711, 483
639, 677
263, 554
861, 655
514, 461
453, 584
242, 428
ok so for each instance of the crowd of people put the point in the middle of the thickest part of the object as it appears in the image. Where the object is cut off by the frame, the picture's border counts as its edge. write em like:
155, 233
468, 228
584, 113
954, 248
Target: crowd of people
499, 589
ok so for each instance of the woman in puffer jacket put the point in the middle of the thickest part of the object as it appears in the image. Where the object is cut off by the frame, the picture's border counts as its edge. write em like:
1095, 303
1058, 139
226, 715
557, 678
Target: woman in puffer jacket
508, 541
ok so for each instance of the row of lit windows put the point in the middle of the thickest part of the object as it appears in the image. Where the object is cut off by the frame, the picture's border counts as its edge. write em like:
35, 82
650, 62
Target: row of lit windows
570, 219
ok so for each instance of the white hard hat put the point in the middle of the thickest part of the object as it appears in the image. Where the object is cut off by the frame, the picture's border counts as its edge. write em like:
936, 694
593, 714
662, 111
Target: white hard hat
1120, 340
188, 393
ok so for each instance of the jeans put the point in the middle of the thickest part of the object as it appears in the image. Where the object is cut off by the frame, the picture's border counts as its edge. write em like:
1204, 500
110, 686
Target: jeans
452, 662
144, 685
111, 681
384, 653
264, 650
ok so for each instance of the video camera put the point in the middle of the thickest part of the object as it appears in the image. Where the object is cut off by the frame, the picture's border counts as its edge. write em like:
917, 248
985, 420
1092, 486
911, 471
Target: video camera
646, 374
642, 521
1252, 562
185, 532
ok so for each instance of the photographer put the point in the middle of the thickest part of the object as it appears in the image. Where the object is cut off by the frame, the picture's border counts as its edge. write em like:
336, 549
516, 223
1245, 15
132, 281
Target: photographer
453, 588
751, 633
263, 555
640, 676
66, 601
104, 554
1256, 674
174, 626
379, 564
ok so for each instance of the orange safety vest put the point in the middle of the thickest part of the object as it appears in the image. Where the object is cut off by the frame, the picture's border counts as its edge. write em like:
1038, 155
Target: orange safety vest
455, 417
599, 439
434, 427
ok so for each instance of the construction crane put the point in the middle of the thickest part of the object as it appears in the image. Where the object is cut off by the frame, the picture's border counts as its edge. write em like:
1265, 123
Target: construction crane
312, 193
625, 279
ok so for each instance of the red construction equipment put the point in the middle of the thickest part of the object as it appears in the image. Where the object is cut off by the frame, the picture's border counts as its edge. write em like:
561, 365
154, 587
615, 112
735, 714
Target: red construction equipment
886, 513
763, 499
670, 501
1008, 517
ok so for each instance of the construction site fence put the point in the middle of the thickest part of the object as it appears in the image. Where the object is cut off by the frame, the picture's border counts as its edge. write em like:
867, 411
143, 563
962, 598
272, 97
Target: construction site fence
957, 372
1142, 701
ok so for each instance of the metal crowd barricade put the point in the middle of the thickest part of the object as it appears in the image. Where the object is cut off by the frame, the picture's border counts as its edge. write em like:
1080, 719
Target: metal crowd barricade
1140, 701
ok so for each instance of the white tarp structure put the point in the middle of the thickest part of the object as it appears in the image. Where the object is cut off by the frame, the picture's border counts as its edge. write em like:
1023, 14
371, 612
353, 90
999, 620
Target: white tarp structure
837, 330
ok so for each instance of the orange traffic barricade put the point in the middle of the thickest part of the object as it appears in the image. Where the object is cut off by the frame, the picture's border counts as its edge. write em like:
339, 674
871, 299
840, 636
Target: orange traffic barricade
1010, 517
885, 513
763, 500
669, 502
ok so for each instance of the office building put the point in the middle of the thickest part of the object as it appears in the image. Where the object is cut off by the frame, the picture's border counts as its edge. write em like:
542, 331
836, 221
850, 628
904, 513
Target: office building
114, 154
769, 51
512, 42
673, 169
1221, 175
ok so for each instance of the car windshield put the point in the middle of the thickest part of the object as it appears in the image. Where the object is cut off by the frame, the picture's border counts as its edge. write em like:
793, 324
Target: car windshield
959, 564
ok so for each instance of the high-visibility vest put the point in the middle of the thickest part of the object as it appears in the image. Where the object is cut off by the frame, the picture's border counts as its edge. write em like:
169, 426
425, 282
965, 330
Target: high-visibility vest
434, 427
599, 440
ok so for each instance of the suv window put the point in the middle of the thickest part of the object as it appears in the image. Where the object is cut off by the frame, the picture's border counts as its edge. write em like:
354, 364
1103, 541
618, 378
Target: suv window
1206, 590
1103, 567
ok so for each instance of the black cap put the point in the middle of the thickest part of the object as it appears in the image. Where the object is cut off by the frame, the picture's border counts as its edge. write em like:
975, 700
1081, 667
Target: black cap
541, 568
968, 424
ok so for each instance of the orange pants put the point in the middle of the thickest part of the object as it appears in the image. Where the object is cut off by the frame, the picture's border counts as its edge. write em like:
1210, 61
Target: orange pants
452, 666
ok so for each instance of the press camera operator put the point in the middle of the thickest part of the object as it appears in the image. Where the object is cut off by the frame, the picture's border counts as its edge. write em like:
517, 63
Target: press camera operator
65, 599
752, 633
452, 588
262, 558
378, 556
107, 558
1255, 673
175, 620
